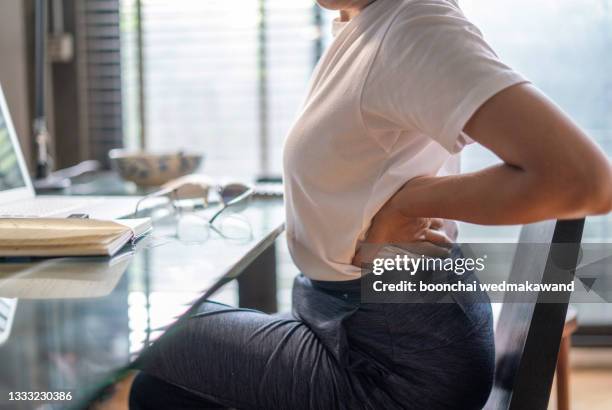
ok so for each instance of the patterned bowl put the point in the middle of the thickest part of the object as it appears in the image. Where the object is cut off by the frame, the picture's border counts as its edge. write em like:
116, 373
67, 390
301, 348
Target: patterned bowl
147, 169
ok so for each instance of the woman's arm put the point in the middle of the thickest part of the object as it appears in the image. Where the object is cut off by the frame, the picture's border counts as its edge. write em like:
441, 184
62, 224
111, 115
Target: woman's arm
550, 169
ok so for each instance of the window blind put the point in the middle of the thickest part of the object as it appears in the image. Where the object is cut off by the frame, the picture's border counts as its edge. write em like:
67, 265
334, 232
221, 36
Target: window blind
223, 78
100, 48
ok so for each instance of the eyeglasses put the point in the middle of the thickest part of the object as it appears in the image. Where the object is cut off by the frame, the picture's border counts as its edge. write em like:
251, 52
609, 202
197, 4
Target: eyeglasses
181, 210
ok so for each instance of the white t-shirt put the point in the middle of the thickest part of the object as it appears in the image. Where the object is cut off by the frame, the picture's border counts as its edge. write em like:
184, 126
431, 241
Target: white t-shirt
387, 102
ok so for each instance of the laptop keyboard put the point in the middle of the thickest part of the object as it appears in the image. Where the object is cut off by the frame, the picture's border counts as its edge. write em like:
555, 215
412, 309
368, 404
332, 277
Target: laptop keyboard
7, 312
41, 206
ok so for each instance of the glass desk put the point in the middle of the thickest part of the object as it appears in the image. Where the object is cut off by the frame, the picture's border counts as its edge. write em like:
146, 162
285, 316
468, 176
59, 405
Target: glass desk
67, 324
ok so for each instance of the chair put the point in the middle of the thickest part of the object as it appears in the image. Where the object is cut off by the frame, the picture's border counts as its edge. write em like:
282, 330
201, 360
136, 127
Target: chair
529, 333
563, 365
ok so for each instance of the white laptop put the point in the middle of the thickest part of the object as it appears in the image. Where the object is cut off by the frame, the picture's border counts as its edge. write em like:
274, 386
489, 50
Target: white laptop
17, 197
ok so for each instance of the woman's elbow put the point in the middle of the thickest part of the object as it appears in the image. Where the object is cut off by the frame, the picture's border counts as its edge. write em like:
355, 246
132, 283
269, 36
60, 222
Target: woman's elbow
600, 194
589, 190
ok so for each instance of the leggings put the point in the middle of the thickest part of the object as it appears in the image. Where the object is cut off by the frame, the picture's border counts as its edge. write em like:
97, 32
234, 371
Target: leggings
331, 352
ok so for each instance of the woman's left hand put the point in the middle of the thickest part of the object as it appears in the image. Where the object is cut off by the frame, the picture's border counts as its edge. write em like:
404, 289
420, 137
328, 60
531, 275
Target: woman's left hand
389, 226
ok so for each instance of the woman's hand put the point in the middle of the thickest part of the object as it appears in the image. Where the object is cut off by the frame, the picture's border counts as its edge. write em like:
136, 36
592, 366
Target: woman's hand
389, 226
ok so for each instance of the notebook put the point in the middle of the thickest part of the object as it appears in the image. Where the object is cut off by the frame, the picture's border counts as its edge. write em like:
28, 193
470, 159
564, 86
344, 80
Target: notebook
46, 237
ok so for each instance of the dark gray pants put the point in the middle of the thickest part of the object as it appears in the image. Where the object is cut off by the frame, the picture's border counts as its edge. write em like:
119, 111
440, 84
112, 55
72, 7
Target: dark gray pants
332, 352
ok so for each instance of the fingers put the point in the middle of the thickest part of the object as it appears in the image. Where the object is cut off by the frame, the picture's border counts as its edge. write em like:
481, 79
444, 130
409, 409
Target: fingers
431, 242
437, 237
427, 249
436, 223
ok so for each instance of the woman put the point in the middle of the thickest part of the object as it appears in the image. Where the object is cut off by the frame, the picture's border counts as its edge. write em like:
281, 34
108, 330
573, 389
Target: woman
373, 159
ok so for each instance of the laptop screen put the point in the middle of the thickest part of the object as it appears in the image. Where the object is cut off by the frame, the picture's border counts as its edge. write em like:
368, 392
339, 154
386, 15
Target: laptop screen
10, 172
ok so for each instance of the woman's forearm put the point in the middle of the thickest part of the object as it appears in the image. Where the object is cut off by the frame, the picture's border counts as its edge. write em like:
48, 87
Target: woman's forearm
502, 194
549, 168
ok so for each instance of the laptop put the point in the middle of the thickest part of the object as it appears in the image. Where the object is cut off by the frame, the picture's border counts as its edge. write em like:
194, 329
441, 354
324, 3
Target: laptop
7, 314
17, 196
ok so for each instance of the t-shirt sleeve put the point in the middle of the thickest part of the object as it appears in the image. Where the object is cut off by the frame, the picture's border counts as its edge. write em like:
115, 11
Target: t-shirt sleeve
432, 72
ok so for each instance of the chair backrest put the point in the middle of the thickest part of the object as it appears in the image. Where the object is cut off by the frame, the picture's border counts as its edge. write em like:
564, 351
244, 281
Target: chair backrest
528, 334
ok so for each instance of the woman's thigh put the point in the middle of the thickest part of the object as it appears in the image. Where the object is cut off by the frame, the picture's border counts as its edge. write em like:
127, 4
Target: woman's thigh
247, 359
395, 357
444, 352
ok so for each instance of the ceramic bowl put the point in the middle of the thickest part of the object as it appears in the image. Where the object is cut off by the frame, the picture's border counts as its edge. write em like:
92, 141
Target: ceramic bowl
150, 169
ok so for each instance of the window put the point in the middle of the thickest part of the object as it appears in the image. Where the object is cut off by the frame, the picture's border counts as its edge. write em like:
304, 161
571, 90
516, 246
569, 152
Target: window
565, 48
223, 78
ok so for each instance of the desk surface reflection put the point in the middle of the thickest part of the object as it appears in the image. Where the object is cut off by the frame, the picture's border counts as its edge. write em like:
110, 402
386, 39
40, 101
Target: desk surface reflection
66, 324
